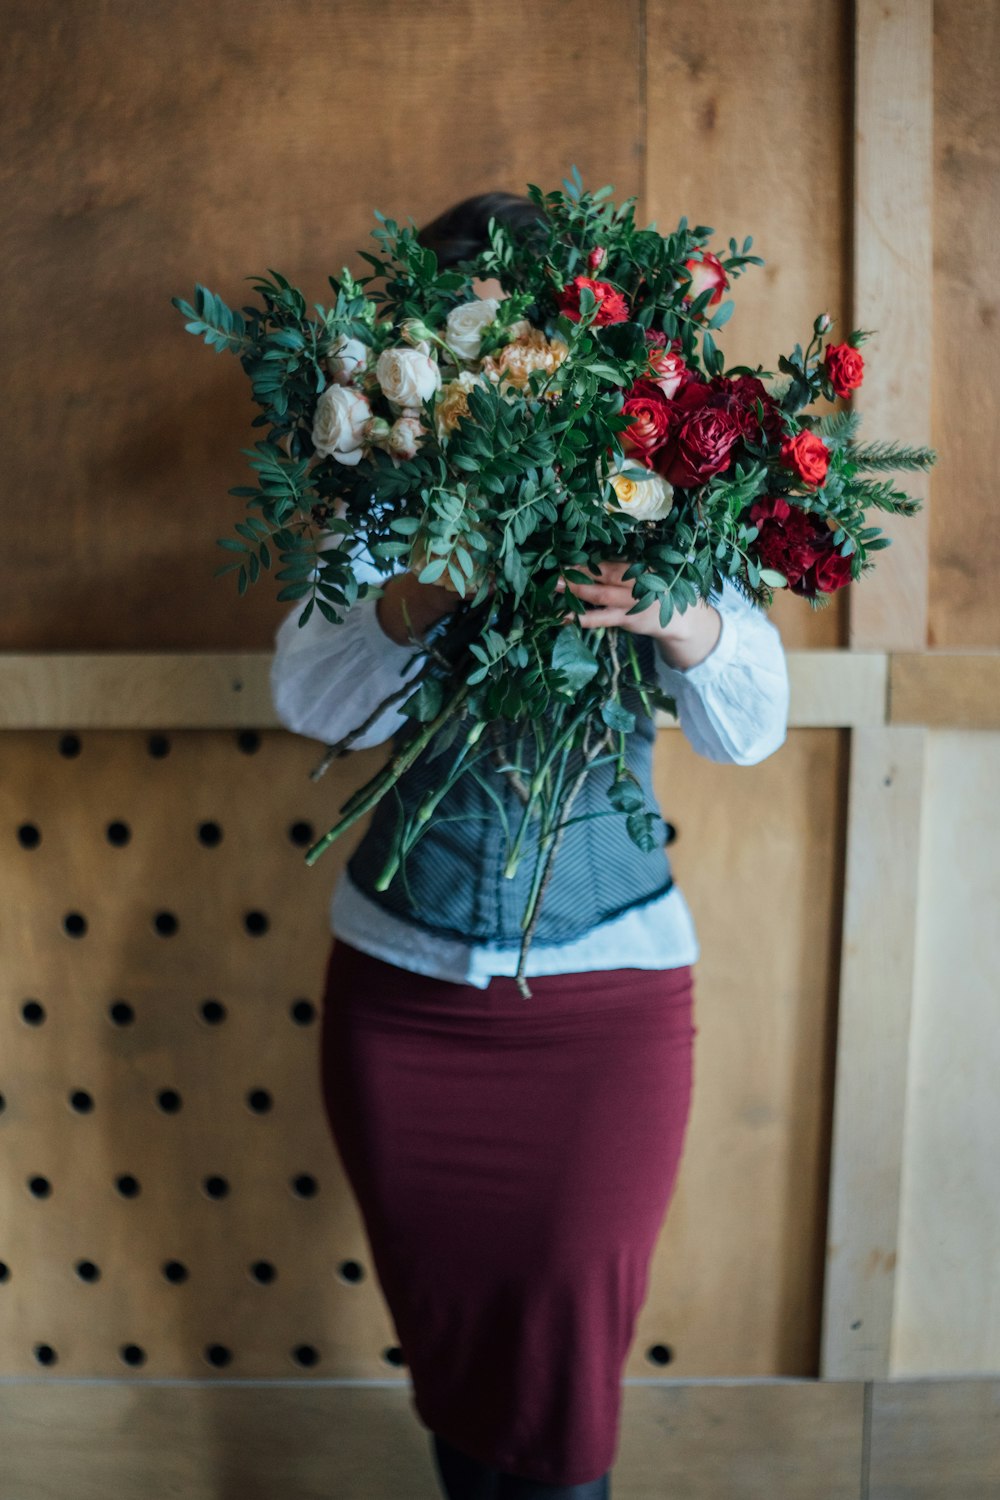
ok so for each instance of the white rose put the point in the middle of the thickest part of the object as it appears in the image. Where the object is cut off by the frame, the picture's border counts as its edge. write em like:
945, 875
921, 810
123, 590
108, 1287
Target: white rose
463, 330
345, 357
404, 437
339, 424
643, 499
408, 377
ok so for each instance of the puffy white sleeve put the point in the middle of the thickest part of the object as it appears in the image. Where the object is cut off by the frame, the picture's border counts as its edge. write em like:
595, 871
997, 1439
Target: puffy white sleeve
733, 705
327, 679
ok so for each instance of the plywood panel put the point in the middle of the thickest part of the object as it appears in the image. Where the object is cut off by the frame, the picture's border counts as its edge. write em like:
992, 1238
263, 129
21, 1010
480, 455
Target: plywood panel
964, 538
738, 1274
147, 147
947, 1312
749, 131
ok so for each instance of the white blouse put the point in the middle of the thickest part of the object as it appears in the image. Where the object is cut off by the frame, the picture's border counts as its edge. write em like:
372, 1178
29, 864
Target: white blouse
732, 707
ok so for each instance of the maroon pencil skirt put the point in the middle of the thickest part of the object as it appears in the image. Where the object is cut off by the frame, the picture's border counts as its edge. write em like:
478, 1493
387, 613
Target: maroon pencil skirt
512, 1160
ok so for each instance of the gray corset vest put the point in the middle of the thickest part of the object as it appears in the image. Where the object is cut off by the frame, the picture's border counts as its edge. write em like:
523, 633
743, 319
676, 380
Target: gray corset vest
452, 881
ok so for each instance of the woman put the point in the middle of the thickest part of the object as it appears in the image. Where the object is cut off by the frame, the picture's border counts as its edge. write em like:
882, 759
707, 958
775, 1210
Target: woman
512, 1158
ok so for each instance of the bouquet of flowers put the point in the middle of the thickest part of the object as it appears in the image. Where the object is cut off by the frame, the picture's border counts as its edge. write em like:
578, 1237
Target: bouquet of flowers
501, 445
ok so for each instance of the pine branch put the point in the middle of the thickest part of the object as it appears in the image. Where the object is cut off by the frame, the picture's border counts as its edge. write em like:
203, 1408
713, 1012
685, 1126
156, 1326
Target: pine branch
839, 427
891, 457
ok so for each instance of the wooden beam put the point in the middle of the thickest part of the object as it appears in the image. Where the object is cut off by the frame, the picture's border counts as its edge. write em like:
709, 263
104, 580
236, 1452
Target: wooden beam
893, 54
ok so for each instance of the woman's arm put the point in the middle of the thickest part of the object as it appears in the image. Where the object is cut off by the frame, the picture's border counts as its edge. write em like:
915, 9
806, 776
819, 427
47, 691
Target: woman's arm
327, 679
732, 700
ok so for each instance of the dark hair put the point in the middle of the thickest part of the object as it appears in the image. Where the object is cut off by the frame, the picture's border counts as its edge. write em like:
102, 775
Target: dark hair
461, 231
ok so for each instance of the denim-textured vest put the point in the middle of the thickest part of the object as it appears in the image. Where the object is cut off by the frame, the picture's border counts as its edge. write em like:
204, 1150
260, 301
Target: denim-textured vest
452, 881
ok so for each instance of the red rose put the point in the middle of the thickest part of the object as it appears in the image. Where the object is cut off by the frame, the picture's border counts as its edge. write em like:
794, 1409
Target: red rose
845, 367
808, 456
650, 417
828, 573
706, 272
740, 396
702, 438
655, 338
788, 539
611, 305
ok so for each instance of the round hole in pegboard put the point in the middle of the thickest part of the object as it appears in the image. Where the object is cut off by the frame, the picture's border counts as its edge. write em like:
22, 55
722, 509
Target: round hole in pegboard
69, 745
301, 833
74, 924
33, 1011
39, 1187
660, 1354
87, 1270
166, 923
121, 1013
158, 746
215, 1186
393, 1355
4, 1271
45, 1354
670, 833
259, 1101
169, 1100
248, 741
209, 834
118, 833
351, 1271
302, 1012
212, 1012
304, 1185
127, 1185
29, 836
132, 1354
305, 1355
256, 923
218, 1355
263, 1272
81, 1101
175, 1271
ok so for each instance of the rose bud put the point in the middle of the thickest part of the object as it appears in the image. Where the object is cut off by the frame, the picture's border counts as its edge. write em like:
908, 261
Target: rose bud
377, 430
596, 258
822, 323
706, 272
415, 332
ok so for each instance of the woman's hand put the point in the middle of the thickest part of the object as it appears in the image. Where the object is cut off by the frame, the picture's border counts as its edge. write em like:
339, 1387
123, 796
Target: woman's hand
689, 637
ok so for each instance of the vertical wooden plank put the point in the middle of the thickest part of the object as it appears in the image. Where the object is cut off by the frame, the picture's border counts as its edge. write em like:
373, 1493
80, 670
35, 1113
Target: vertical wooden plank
876, 978
893, 111
892, 292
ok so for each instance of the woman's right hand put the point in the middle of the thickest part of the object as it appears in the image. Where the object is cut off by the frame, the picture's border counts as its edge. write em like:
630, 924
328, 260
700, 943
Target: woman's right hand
425, 604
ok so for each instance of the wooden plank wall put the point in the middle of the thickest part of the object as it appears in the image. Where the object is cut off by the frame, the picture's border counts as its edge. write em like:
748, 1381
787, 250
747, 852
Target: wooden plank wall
833, 1215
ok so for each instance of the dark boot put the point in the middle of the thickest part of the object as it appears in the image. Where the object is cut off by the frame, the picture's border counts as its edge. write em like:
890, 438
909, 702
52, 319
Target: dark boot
513, 1487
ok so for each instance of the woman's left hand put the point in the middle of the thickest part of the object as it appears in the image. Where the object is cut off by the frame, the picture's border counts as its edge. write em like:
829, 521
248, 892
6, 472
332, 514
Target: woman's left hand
686, 640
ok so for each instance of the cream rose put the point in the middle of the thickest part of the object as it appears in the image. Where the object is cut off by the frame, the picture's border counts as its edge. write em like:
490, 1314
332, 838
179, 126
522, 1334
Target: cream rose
408, 377
404, 437
643, 499
511, 365
345, 357
463, 330
340, 424
453, 404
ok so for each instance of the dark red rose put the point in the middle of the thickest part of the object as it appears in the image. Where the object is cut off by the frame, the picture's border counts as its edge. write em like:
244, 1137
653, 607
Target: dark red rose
650, 426
611, 305
741, 395
808, 456
788, 539
828, 573
655, 338
702, 439
845, 367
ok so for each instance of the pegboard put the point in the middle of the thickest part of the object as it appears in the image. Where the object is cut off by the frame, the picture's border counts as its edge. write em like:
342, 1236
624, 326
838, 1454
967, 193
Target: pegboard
171, 1200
